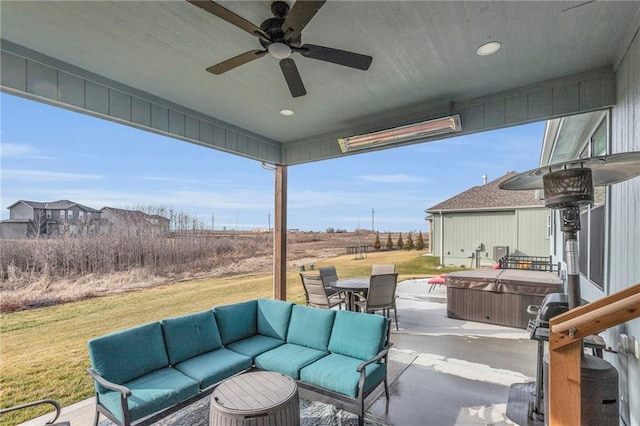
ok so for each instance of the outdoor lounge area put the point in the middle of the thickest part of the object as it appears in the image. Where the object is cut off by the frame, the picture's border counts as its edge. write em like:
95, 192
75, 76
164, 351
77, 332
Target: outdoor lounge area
442, 371
451, 69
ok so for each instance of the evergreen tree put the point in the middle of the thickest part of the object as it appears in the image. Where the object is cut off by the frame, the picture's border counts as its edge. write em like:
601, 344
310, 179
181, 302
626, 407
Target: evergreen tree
420, 242
400, 243
409, 245
377, 244
389, 242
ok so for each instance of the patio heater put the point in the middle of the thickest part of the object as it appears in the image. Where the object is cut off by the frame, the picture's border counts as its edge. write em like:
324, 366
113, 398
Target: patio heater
567, 187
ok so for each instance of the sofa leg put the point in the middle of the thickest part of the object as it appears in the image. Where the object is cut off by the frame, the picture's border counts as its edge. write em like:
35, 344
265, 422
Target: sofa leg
96, 418
361, 412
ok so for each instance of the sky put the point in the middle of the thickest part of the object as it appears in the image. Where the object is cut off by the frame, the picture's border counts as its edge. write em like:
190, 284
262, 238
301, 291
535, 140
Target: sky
49, 153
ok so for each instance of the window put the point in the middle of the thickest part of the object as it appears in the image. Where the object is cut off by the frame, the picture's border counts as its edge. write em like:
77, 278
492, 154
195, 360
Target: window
69, 214
48, 214
63, 214
81, 214
592, 219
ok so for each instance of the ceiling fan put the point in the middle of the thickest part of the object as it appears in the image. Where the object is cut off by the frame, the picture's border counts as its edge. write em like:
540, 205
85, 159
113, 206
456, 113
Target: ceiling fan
280, 36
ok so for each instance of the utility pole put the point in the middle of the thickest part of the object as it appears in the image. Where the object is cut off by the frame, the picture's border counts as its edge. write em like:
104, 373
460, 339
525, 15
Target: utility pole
269, 220
237, 213
213, 222
373, 228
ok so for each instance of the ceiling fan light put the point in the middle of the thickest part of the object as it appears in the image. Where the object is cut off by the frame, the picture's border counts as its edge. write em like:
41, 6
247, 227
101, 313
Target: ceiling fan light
279, 50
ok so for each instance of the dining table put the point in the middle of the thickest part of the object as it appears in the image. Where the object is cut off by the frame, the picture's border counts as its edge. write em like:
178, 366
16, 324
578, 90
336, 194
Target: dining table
351, 286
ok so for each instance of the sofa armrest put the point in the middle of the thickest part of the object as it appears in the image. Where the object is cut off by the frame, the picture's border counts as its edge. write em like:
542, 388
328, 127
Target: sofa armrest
124, 391
382, 354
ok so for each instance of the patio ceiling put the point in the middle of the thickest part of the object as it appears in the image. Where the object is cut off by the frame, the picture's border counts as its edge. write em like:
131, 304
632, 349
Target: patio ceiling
143, 63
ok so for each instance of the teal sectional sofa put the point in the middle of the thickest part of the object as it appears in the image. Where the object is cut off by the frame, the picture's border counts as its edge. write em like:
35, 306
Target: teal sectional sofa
147, 372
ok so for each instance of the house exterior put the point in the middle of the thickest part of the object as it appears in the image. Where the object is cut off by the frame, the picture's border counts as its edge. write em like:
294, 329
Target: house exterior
478, 226
135, 222
35, 219
32, 219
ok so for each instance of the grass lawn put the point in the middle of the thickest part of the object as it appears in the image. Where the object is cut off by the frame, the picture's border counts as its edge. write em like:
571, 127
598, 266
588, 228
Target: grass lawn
43, 351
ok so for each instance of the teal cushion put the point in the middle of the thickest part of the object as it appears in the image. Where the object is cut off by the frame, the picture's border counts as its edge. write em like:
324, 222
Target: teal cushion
128, 354
237, 321
358, 335
212, 367
338, 373
255, 345
288, 359
310, 327
190, 335
151, 393
273, 318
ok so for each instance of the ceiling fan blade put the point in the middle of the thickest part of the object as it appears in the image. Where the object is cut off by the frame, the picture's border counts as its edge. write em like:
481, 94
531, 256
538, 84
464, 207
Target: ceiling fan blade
292, 77
299, 16
230, 17
232, 63
337, 56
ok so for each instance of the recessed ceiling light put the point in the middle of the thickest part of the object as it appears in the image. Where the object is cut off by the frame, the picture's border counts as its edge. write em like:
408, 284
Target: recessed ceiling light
489, 48
287, 112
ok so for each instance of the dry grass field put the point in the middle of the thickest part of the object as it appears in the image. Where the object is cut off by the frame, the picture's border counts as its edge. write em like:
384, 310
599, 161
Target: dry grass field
46, 272
43, 351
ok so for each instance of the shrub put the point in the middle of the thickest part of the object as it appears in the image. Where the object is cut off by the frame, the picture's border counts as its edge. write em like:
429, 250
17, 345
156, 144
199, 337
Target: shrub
377, 245
409, 245
400, 243
389, 242
420, 242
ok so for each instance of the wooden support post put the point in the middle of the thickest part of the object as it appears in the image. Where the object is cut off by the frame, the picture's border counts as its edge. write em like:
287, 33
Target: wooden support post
280, 235
564, 384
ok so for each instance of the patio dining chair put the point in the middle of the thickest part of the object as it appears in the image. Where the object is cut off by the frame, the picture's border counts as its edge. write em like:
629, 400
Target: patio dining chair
381, 296
316, 293
329, 275
383, 269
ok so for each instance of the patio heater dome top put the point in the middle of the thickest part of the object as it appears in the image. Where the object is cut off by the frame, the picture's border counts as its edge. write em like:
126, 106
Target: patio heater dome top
605, 170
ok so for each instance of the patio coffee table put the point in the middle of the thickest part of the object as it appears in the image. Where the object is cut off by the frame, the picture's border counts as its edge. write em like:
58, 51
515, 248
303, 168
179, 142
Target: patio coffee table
258, 398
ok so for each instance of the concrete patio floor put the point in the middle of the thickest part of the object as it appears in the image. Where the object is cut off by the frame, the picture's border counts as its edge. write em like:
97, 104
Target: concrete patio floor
456, 372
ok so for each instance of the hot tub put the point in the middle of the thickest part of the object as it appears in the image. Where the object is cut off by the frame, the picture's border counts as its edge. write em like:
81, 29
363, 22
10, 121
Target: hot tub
498, 296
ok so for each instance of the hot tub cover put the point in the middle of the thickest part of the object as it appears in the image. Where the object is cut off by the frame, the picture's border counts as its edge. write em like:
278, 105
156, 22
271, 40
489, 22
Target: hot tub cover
507, 281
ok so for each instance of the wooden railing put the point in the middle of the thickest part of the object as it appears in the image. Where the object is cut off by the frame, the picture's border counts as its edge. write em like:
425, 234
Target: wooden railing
565, 348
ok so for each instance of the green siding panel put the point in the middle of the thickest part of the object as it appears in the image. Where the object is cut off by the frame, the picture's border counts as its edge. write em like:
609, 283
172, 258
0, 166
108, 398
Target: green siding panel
524, 232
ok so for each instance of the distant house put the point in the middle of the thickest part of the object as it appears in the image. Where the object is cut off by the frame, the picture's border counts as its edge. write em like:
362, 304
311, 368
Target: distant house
478, 226
135, 222
34, 218
29, 219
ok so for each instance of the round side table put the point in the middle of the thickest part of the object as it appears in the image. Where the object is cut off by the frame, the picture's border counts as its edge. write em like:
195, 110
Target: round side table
258, 398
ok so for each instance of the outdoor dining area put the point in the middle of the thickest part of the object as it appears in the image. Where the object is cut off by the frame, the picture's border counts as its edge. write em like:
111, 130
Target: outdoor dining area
362, 294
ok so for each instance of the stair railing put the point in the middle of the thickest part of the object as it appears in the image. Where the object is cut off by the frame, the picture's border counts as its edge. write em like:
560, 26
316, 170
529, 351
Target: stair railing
565, 348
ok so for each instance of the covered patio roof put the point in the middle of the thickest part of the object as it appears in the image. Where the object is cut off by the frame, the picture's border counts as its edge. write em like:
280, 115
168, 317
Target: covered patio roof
143, 63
